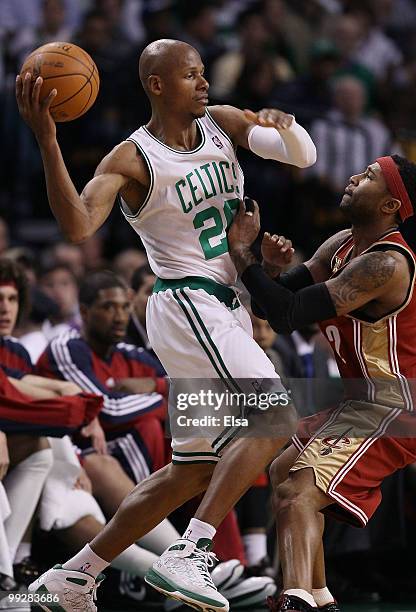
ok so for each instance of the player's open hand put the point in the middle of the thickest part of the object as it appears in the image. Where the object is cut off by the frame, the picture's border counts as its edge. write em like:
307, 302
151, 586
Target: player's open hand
245, 227
35, 112
270, 117
277, 251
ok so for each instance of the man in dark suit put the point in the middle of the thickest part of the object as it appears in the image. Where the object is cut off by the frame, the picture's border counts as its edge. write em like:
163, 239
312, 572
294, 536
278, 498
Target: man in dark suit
307, 364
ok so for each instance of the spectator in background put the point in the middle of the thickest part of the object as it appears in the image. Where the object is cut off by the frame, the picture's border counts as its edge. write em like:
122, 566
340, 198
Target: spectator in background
127, 261
85, 141
142, 283
307, 360
199, 30
346, 34
376, 51
290, 35
114, 12
30, 454
31, 335
4, 236
53, 26
254, 45
129, 379
348, 137
309, 96
265, 337
93, 252
55, 309
158, 18
69, 255
58, 282
25, 257
256, 85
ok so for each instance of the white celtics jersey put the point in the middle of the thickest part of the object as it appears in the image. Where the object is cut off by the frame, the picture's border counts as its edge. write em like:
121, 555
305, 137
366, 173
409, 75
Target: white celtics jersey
191, 202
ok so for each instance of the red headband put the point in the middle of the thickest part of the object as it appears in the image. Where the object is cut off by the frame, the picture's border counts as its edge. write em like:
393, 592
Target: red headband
396, 186
8, 284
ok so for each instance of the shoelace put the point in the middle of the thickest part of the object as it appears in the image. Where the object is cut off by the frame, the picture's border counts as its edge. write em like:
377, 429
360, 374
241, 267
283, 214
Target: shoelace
205, 560
81, 601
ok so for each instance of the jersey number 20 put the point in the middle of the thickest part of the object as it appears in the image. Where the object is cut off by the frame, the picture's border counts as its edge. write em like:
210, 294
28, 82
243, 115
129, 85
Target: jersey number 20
217, 229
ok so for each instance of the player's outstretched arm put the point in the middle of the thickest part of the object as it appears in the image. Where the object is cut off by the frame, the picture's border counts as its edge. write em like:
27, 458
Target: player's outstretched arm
79, 216
270, 134
373, 276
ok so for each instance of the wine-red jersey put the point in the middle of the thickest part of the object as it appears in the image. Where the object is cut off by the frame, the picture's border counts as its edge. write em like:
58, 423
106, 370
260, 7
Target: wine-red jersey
380, 352
14, 358
69, 357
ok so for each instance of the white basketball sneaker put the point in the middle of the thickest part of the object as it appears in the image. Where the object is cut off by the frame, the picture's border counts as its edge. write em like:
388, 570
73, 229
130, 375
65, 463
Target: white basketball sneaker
182, 572
61, 590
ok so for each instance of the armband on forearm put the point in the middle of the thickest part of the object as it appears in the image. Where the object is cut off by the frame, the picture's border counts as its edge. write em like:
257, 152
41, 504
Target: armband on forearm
290, 146
284, 309
295, 279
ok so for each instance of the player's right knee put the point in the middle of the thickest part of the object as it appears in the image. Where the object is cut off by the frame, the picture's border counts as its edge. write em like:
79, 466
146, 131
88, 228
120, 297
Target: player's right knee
287, 495
278, 472
280, 468
297, 491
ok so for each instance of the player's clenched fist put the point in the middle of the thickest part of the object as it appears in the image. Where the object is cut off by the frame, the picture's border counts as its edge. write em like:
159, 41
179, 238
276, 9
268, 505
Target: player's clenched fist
270, 117
245, 227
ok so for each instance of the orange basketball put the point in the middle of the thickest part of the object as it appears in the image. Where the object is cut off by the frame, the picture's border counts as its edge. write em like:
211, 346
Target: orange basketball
71, 71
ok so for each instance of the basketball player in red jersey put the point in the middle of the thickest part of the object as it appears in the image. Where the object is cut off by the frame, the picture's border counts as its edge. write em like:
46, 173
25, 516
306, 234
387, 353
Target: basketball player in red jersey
360, 286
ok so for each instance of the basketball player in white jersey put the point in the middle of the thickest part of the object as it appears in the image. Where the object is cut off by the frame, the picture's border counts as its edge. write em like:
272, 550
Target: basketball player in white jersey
179, 185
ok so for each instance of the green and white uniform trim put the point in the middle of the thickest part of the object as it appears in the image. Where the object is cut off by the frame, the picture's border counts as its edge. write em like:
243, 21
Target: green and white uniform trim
179, 458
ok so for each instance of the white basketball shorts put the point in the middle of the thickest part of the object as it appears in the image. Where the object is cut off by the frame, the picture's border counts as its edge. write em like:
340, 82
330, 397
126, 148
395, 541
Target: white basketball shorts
199, 329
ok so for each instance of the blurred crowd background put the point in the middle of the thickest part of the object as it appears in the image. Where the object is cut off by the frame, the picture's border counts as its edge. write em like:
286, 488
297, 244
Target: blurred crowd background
345, 68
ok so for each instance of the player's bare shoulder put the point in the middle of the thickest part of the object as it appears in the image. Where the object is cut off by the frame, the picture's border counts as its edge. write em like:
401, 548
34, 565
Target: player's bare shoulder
125, 159
232, 121
328, 248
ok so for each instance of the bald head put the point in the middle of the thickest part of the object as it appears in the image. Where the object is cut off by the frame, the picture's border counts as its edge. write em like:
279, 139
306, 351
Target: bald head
161, 56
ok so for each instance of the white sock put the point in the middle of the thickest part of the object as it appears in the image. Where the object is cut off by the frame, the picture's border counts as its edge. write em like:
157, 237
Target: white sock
255, 547
23, 550
322, 596
86, 561
135, 560
302, 595
198, 529
23, 485
159, 538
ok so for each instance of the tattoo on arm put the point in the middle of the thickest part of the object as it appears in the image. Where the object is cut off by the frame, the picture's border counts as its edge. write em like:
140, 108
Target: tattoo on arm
361, 281
320, 263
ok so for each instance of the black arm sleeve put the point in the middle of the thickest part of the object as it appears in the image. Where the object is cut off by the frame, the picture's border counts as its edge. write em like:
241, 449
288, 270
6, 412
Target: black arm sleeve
297, 278
284, 309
